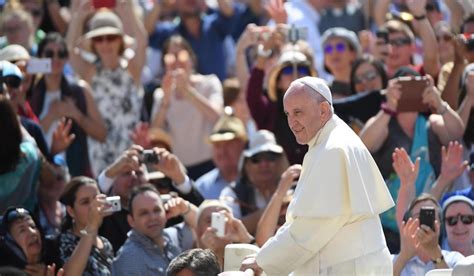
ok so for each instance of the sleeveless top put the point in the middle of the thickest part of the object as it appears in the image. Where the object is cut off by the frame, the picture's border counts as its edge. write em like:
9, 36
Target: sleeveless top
119, 102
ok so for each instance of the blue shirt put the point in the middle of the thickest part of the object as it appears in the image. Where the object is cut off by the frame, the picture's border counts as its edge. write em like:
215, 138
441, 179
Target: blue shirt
208, 47
416, 266
141, 256
211, 184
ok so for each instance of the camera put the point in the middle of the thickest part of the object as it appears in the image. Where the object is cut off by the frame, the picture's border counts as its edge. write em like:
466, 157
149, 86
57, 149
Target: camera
149, 157
113, 203
294, 34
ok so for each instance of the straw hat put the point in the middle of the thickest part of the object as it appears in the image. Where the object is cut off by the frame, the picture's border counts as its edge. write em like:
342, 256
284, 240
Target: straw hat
105, 22
227, 128
287, 58
158, 135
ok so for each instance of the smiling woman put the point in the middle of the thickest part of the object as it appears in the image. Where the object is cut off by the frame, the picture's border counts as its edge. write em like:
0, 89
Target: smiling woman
22, 245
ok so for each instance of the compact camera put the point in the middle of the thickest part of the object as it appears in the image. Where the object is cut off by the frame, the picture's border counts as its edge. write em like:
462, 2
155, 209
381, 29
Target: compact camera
113, 203
149, 157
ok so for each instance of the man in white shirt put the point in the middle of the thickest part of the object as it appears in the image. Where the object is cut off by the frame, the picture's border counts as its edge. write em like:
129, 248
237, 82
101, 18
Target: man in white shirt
332, 224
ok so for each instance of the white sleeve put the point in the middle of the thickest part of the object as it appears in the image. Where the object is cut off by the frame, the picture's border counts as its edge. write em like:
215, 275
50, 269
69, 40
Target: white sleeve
105, 183
297, 242
185, 187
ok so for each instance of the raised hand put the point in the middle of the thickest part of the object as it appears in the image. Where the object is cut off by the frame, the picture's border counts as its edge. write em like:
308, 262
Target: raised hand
175, 207
404, 167
277, 11
62, 138
452, 161
408, 241
139, 135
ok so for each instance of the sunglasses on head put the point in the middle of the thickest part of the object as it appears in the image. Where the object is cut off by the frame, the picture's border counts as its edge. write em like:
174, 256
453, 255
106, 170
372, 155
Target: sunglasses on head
15, 214
400, 41
301, 70
465, 219
61, 54
338, 47
367, 76
108, 38
264, 156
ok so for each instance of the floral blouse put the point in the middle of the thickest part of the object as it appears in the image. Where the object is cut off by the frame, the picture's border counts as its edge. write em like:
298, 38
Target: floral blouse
100, 260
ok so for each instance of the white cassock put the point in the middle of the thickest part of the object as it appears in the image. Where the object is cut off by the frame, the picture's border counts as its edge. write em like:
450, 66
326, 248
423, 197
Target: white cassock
332, 224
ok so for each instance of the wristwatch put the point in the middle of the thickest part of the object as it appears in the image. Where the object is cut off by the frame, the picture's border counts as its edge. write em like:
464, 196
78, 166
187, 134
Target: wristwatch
438, 260
262, 52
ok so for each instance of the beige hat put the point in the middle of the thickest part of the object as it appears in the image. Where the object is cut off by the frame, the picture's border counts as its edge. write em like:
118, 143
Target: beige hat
105, 22
159, 135
227, 128
287, 58
14, 52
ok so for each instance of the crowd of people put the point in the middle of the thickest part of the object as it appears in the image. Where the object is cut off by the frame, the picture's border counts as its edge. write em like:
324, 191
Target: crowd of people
173, 111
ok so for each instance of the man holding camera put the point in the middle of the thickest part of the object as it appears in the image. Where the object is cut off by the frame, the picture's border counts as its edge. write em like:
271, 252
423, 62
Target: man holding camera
333, 225
129, 171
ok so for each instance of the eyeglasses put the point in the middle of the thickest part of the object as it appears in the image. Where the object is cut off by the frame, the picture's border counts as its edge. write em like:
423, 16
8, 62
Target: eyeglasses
339, 47
301, 70
367, 76
445, 37
102, 38
264, 156
398, 42
61, 54
465, 219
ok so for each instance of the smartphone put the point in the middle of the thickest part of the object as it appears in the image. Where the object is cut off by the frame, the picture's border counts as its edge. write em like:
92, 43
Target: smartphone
412, 88
97, 4
427, 216
38, 66
218, 223
382, 34
113, 203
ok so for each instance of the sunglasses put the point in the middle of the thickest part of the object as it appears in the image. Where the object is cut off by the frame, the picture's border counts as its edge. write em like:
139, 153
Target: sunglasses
61, 54
445, 37
108, 38
15, 214
12, 82
301, 70
264, 156
400, 41
465, 219
338, 47
367, 76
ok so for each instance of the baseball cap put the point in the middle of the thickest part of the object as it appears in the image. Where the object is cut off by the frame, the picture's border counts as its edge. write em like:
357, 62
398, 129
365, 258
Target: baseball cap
262, 141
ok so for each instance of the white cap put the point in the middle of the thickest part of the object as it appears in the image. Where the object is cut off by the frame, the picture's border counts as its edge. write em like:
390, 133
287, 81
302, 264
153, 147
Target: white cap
262, 141
318, 85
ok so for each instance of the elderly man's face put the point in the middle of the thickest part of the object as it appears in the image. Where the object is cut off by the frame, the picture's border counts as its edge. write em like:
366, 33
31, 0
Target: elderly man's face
226, 154
303, 113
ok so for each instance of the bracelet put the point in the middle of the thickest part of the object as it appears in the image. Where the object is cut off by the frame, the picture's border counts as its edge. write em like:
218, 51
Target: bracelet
84, 233
438, 260
187, 210
387, 110
419, 17
445, 106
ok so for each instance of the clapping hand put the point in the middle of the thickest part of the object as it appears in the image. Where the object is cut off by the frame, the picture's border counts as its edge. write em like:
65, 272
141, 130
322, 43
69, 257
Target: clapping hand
404, 167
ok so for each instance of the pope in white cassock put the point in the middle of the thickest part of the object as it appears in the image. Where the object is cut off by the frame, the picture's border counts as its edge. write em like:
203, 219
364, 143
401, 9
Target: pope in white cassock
332, 224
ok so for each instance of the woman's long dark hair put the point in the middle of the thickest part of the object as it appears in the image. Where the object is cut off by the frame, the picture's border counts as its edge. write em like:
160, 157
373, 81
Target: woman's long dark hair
10, 152
69, 197
379, 67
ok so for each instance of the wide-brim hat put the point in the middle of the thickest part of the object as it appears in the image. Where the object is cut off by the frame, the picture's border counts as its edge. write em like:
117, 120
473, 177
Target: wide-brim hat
105, 22
227, 128
14, 52
159, 135
287, 58
262, 141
